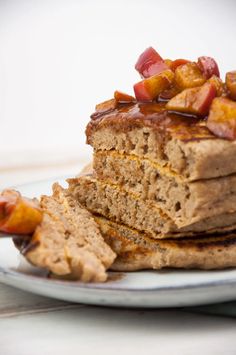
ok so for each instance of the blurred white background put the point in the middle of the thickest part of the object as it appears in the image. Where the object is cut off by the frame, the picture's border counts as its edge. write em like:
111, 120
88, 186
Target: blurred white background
59, 58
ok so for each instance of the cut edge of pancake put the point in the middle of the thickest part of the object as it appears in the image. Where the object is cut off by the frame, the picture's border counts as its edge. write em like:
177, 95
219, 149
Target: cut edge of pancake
136, 251
68, 242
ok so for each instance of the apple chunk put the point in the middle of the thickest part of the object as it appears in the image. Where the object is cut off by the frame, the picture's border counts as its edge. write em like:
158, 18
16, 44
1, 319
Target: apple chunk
219, 85
222, 118
177, 62
106, 106
208, 66
149, 89
18, 215
189, 76
122, 97
194, 101
150, 63
231, 84
168, 94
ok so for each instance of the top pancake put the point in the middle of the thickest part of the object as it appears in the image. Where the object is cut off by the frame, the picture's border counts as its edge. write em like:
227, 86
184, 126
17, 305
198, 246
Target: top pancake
182, 143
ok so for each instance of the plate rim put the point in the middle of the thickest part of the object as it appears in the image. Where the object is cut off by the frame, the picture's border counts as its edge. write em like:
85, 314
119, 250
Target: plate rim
5, 272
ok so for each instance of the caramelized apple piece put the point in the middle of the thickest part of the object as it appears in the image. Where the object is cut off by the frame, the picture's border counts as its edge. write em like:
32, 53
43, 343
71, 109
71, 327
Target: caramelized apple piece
219, 85
18, 215
168, 62
168, 94
195, 101
208, 66
106, 106
121, 97
222, 118
178, 62
150, 63
230, 80
149, 89
189, 76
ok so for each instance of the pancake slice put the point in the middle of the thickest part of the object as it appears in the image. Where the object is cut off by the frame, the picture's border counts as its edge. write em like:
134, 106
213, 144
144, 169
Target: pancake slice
184, 144
115, 203
68, 241
137, 251
184, 202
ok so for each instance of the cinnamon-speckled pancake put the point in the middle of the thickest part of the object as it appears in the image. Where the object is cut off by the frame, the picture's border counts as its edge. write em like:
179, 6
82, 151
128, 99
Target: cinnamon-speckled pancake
68, 242
182, 143
184, 202
136, 251
115, 203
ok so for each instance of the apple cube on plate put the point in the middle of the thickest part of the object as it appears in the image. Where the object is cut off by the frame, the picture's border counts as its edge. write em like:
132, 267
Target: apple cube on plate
18, 215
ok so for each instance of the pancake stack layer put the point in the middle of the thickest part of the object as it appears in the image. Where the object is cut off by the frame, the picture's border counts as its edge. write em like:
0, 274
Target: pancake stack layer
163, 189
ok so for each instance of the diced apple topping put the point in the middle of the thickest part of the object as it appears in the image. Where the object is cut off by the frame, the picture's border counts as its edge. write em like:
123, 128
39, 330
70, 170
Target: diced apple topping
189, 76
167, 94
106, 106
222, 118
208, 66
219, 85
150, 63
18, 215
168, 62
231, 84
148, 89
177, 63
121, 97
194, 101
187, 87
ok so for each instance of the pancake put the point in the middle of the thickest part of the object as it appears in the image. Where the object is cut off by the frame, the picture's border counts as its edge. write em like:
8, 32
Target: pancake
68, 242
184, 202
113, 202
183, 144
137, 251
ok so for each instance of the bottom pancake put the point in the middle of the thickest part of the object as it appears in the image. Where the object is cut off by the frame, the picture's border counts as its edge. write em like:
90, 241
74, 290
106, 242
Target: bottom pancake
136, 251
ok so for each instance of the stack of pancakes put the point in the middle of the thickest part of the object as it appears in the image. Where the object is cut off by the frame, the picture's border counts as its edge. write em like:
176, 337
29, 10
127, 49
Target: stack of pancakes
163, 188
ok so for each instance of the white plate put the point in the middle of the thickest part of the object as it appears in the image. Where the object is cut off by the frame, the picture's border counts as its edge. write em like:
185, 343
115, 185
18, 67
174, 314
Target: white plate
169, 288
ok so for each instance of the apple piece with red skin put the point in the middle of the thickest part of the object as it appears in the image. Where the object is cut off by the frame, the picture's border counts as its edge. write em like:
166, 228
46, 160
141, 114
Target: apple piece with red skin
189, 76
195, 101
18, 215
222, 118
150, 63
122, 97
230, 80
208, 66
149, 89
